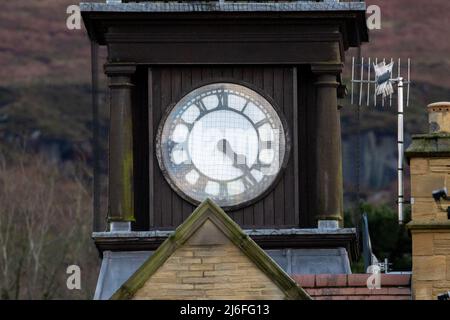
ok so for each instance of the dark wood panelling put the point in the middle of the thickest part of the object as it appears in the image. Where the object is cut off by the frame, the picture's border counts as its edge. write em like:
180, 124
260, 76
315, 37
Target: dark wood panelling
154, 108
151, 153
140, 147
286, 205
292, 197
308, 96
164, 193
177, 202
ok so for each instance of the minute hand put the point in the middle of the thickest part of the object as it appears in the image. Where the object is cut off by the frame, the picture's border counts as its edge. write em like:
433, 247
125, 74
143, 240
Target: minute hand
239, 160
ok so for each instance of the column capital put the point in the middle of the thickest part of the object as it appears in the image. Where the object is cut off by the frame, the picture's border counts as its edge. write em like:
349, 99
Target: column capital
327, 68
326, 80
119, 74
326, 74
120, 69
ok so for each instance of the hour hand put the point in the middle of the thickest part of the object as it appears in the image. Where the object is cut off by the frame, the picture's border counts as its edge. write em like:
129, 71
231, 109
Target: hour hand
239, 160
225, 147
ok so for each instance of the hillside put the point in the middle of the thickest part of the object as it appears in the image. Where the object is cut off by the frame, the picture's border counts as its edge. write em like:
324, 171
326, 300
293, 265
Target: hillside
36, 44
45, 77
418, 30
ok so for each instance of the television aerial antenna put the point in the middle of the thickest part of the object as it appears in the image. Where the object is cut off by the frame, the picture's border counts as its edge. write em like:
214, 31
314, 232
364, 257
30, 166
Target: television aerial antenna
379, 75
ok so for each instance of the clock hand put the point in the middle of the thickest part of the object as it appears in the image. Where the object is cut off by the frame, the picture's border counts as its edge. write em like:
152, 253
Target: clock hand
239, 160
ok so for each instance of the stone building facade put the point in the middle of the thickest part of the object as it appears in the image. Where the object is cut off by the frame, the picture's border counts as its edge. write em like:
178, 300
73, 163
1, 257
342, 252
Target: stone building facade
429, 157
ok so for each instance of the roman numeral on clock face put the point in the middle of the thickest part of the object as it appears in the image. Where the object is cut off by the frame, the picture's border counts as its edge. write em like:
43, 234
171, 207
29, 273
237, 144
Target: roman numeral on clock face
223, 99
200, 104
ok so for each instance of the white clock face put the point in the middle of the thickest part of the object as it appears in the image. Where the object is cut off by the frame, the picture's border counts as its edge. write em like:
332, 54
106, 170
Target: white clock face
222, 141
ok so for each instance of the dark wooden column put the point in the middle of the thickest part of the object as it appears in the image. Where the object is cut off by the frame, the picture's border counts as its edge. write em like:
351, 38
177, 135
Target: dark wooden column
328, 176
121, 207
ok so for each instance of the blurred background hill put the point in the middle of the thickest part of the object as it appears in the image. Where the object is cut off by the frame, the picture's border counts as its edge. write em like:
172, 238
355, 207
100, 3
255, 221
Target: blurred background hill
409, 29
45, 112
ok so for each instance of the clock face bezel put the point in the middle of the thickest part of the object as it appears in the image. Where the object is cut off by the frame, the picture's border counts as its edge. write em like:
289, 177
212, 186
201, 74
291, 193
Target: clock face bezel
186, 97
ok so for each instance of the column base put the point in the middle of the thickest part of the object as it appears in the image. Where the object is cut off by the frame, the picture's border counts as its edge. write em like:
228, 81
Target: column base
328, 224
120, 226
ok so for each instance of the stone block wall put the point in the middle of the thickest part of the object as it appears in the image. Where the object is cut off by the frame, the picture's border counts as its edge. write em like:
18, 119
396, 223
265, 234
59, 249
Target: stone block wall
430, 228
429, 159
427, 175
215, 271
431, 263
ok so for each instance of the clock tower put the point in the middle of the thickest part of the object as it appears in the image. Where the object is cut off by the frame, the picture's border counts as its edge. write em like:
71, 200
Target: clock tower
232, 101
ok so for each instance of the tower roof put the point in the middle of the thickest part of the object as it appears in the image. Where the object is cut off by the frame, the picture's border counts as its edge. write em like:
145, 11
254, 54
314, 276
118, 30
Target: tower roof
208, 6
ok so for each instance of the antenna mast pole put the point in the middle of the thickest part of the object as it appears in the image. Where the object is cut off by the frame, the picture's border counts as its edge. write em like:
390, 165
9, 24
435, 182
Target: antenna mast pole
400, 137
383, 82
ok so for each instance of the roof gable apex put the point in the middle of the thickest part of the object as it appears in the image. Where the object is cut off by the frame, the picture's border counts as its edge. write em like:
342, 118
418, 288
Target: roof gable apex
208, 210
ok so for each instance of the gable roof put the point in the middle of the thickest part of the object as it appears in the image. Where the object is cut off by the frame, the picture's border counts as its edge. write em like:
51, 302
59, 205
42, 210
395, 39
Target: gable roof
208, 210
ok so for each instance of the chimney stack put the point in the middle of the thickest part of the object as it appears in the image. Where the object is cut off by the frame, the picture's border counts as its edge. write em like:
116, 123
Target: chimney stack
439, 117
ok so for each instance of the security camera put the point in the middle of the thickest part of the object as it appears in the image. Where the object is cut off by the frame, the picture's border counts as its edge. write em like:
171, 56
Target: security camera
444, 296
440, 194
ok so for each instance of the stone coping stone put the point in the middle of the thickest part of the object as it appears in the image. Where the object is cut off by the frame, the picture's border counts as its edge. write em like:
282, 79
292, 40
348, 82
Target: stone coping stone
428, 225
353, 280
250, 232
429, 145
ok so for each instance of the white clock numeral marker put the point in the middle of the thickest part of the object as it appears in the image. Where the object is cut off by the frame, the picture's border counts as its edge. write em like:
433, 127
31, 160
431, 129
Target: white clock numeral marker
212, 188
266, 156
192, 177
180, 133
254, 113
210, 102
235, 187
236, 102
266, 133
179, 156
191, 114
257, 175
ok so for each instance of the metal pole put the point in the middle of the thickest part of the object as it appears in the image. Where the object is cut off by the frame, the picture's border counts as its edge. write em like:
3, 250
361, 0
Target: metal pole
353, 76
400, 149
